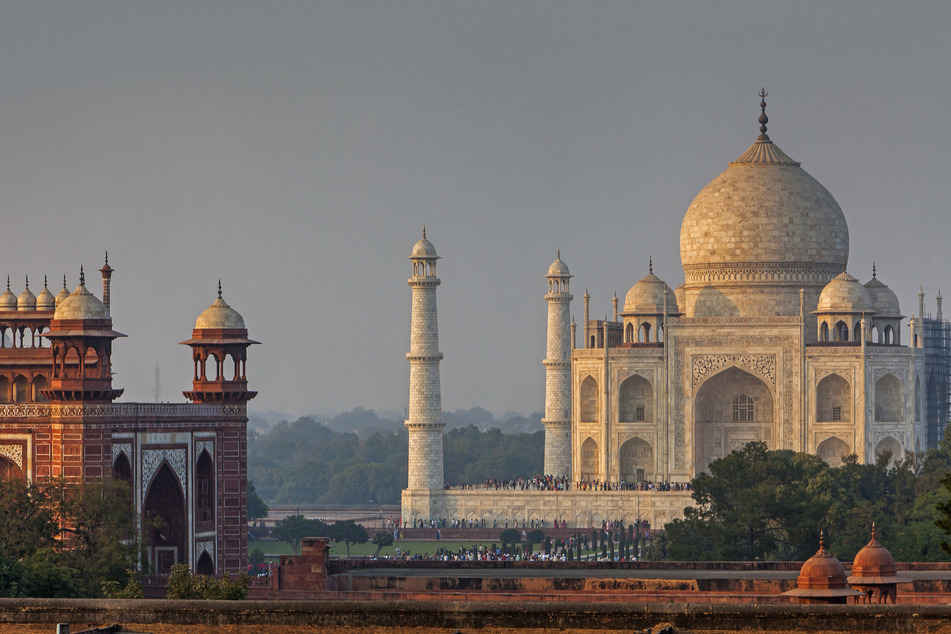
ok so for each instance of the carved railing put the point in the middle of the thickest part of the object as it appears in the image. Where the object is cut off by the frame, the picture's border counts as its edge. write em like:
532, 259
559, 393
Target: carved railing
121, 410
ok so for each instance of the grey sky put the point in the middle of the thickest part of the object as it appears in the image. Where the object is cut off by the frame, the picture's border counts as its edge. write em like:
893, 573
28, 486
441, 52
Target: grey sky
296, 149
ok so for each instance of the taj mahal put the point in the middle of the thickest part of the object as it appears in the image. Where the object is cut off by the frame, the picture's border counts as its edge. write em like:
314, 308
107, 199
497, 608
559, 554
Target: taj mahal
769, 338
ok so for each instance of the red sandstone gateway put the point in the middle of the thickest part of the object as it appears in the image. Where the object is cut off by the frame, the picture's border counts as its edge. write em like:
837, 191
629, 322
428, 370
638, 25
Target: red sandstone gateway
186, 462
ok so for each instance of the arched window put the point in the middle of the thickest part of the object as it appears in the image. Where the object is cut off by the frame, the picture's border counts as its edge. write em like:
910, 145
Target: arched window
589, 460
889, 335
833, 399
5, 395
21, 389
636, 400
889, 399
589, 400
742, 409
841, 331
164, 511
205, 493
39, 384
644, 333
629, 333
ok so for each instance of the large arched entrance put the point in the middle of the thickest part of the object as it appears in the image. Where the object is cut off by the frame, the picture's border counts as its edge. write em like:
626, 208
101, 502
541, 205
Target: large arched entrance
9, 470
164, 514
731, 409
637, 461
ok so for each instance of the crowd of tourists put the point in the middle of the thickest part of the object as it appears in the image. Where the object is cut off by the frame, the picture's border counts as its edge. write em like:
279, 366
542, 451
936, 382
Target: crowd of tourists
563, 483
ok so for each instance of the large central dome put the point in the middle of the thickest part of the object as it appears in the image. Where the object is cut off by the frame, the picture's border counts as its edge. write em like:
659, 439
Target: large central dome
763, 222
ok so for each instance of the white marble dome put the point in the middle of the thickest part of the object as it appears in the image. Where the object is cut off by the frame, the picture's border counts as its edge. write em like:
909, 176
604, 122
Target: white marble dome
424, 248
45, 300
764, 218
883, 298
845, 294
558, 268
647, 297
219, 316
81, 304
26, 300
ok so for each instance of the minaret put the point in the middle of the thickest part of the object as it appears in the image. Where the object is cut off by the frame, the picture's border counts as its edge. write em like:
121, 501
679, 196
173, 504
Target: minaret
557, 363
106, 271
425, 423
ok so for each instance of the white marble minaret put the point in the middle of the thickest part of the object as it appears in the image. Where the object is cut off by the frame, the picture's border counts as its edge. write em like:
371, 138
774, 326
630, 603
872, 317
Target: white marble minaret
425, 422
557, 363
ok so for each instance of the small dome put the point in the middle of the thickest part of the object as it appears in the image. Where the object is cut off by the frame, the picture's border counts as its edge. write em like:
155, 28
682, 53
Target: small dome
883, 298
424, 248
26, 300
63, 293
81, 304
822, 579
45, 300
219, 316
558, 268
647, 297
845, 294
874, 560
8, 301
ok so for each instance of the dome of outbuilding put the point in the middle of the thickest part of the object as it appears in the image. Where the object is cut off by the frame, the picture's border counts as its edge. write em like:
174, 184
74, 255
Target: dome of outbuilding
558, 268
81, 304
874, 560
63, 293
424, 248
883, 298
822, 579
8, 301
26, 300
845, 294
45, 300
647, 297
219, 316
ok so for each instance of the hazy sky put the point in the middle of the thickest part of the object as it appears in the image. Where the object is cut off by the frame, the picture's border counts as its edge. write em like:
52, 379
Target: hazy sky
295, 150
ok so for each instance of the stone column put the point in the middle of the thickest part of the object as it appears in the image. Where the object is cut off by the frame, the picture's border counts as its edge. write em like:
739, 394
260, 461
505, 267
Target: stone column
557, 420
425, 422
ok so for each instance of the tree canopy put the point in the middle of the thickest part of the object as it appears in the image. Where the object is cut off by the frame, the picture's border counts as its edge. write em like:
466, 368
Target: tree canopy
759, 504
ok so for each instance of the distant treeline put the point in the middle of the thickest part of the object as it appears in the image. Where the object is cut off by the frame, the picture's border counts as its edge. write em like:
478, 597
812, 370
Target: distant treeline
359, 458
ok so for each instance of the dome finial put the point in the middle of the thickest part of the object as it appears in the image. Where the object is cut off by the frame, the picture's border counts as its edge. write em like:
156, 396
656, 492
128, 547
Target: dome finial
27, 282
44, 281
874, 275
650, 264
845, 264
822, 539
64, 280
873, 530
82, 276
424, 232
559, 254
219, 288
8, 282
763, 119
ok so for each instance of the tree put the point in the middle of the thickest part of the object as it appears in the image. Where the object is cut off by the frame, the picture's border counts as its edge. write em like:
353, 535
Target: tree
754, 504
510, 537
293, 528
256, 506
381, 539
348, 532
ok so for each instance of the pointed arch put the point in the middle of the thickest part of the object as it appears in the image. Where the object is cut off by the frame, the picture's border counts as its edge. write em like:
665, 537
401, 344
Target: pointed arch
889, 399
205, 565
636, 457
590, 400
589, 460
205, 493
891, 446
164, 520
636, 400
731, 408
833, 399
832, 450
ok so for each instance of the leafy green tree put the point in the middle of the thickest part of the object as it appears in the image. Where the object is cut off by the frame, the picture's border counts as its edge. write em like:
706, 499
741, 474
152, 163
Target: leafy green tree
382, 539
256, 506
293, 528
754, 504
348, 532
